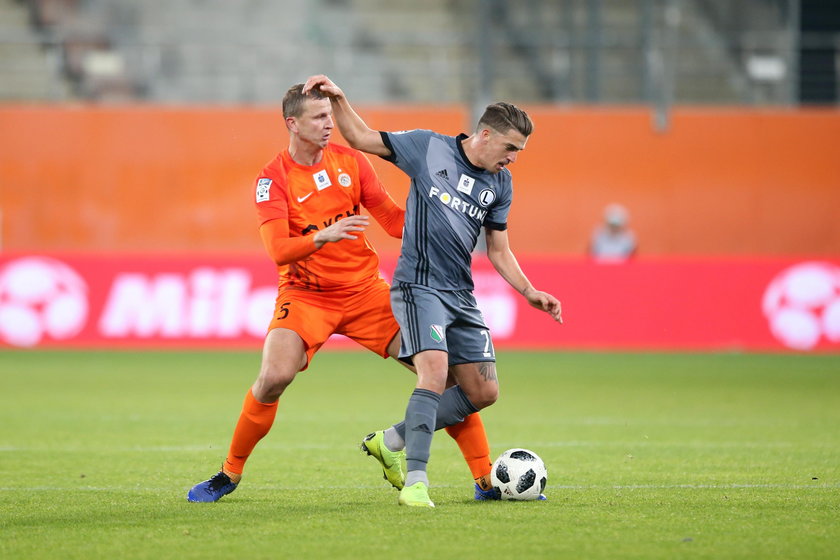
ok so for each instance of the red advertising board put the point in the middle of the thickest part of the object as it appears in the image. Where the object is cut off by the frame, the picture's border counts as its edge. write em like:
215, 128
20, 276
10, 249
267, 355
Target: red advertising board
218, 301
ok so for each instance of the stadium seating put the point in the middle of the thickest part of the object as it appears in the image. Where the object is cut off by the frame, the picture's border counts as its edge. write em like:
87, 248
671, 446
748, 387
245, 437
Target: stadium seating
436, 51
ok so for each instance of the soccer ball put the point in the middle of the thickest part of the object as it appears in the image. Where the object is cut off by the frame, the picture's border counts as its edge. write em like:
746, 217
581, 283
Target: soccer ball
519, 474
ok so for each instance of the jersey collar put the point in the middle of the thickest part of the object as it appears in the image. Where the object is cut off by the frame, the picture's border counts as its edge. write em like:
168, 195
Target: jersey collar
459, 141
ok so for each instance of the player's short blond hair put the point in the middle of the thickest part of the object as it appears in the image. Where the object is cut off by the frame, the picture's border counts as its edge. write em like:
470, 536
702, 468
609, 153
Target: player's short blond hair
502, 117
294, 99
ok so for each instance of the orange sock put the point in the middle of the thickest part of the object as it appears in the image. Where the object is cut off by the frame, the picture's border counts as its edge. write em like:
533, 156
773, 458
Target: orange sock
255, 421
472, 440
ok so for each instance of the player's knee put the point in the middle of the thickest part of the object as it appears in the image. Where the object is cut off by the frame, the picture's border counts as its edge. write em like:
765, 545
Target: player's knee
486, 395
272, 382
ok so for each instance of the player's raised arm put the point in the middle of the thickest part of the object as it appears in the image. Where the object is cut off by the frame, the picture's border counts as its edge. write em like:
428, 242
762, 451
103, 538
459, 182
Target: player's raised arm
351, 125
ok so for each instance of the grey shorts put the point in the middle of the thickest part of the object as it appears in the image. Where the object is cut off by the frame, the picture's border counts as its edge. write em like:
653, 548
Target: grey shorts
440, 320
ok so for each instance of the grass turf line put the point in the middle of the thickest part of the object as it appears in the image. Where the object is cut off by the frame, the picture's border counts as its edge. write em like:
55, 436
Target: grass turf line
649, 456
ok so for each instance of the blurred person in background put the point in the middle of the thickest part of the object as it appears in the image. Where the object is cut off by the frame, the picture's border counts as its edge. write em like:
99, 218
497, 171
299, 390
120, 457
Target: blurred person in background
308, 200
613, 241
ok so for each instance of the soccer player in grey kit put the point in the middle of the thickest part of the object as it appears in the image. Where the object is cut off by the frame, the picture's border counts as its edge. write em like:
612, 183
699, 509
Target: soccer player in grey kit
458, 185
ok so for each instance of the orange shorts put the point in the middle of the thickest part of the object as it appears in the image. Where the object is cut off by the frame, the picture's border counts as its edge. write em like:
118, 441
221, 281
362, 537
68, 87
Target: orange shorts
364, 315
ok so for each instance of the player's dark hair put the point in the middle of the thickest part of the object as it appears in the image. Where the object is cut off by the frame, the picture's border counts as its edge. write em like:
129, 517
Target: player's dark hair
502, 117
293, 100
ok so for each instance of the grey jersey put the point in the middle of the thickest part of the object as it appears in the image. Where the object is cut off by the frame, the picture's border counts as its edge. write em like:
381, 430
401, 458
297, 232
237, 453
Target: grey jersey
448, 202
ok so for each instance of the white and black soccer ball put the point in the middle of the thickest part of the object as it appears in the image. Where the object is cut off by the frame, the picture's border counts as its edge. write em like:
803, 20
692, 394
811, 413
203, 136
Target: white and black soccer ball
519, 474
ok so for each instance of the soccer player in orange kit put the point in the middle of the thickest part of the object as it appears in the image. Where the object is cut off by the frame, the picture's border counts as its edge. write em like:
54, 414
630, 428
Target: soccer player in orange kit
308, 202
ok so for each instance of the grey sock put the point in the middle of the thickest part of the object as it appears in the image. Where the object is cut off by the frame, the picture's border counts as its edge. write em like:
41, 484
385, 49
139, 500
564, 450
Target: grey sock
392, 439
453, 408
413, 477
419, 428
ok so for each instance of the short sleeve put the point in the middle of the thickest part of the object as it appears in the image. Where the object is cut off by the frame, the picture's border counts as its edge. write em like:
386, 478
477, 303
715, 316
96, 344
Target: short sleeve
408, 149
497, 215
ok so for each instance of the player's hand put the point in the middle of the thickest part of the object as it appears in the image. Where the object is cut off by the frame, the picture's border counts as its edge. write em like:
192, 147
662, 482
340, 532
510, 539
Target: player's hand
324, 85
342, 229
545, 302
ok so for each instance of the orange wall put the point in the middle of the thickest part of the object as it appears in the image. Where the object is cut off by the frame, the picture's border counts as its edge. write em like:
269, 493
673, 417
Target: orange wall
718, 182
721, 182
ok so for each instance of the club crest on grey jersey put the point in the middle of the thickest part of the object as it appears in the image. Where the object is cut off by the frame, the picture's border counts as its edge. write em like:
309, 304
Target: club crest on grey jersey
448, 203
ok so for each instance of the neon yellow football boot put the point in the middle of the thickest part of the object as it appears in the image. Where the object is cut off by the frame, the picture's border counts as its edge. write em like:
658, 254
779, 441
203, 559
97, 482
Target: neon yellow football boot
390, 461
416, 495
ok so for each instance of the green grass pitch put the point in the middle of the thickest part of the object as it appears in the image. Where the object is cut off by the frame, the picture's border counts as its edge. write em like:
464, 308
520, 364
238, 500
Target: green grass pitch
649, 456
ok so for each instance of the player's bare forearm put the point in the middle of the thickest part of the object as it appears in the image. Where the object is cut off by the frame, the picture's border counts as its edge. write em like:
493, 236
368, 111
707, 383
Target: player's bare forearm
355, 131
353, 128
508, 268
505, 263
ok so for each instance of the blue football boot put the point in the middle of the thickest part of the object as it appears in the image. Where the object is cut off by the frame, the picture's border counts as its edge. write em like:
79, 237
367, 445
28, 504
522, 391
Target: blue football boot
494, 494
212, 490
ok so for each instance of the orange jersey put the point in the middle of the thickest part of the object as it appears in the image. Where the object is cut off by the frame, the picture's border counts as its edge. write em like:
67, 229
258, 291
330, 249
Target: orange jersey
311, 198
